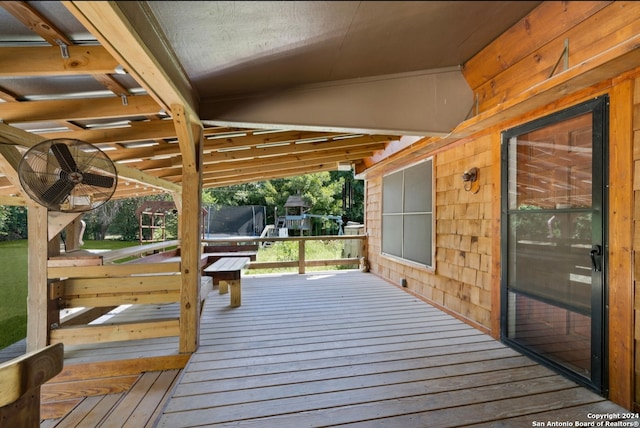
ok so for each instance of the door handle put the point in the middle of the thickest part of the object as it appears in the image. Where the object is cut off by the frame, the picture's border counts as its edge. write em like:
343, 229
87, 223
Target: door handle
596, 251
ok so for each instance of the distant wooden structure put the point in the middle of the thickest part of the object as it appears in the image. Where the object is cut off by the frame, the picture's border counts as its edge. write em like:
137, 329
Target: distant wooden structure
152, 217
294, 218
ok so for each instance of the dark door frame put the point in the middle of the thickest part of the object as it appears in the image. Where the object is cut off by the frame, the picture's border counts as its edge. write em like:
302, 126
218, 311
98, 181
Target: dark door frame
599, 108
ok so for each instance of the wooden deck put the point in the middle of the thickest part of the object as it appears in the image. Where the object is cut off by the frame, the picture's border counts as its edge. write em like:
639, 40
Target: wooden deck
348, 349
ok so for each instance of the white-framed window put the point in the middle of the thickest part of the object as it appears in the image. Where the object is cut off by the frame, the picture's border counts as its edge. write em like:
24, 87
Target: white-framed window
407, 213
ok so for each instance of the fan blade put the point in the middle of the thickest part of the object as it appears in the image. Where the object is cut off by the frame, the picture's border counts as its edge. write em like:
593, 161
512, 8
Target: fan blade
97, 180
64, 157
58, 192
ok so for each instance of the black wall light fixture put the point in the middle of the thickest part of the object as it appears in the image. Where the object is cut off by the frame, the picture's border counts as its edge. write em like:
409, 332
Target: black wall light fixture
470, 180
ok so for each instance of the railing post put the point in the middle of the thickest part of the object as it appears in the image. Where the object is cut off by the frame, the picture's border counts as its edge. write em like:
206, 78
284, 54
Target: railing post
301, 261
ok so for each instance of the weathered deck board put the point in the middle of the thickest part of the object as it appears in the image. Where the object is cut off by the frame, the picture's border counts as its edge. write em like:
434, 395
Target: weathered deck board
138, 407
347, 348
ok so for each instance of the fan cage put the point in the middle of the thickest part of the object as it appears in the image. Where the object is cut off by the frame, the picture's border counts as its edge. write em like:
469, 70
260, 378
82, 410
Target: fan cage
67, 175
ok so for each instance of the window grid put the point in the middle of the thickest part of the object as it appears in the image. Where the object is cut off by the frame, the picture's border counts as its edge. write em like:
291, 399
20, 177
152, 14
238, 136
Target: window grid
407, 213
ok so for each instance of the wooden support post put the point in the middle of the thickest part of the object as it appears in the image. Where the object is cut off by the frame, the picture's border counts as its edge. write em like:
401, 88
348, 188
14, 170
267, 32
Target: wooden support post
236, 297
73, 238
190, 140
21, 379
301, 259
621, 281
37, 299
223, 286
190, 263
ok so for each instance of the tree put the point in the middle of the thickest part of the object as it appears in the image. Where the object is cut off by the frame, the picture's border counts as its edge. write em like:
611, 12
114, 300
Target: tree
323, 191
118, 218
13, 222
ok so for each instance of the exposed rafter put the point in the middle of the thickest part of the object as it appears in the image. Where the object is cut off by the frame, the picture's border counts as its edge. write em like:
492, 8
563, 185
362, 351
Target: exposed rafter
83, 109
153, 66
149, 135
45, 60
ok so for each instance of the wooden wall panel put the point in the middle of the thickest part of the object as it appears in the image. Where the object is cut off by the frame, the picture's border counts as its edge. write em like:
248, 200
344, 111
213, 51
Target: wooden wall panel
542, 25
466, 280
462, 281
609, 28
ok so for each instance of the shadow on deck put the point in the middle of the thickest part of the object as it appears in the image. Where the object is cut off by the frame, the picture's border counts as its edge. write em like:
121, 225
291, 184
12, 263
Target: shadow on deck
341, 348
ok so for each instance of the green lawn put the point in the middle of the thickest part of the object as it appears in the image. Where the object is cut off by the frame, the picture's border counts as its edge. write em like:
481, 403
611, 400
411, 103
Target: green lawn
13, 291
287, 251
13, 286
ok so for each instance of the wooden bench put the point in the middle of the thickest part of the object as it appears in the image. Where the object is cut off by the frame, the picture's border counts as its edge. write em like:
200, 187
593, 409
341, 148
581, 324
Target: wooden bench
226, 272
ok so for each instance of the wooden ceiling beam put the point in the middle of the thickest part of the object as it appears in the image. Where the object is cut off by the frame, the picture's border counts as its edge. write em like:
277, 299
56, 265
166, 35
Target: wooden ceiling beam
40, 25
12, 200
36, 22
9, 161
126, 173
134, 132
146, 153
250, 178
268, 169
8, 96
109, 82
234, 155
135, 191
77, 109
276, 137
274, 163
11, 137
149, 166
139, 49
172, 167
291, 137
48, 61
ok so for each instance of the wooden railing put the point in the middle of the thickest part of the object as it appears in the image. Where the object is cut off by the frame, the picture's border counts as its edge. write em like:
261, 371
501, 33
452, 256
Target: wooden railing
301, 263
104, 287
138, 251
148, 278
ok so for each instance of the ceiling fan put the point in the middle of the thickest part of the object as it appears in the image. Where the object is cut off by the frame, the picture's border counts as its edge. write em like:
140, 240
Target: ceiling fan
67, 175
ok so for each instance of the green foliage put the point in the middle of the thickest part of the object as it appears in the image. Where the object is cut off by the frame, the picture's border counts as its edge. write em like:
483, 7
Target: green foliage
323, 191
534, 223
13, 223
529, 224
118, 218
282, 251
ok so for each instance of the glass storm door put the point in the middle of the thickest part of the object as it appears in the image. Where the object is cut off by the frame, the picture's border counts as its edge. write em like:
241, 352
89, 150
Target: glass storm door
553, 241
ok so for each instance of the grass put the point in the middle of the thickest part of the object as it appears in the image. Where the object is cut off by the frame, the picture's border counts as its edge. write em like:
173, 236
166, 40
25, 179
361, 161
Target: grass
288, 250
13, 285
13, 291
